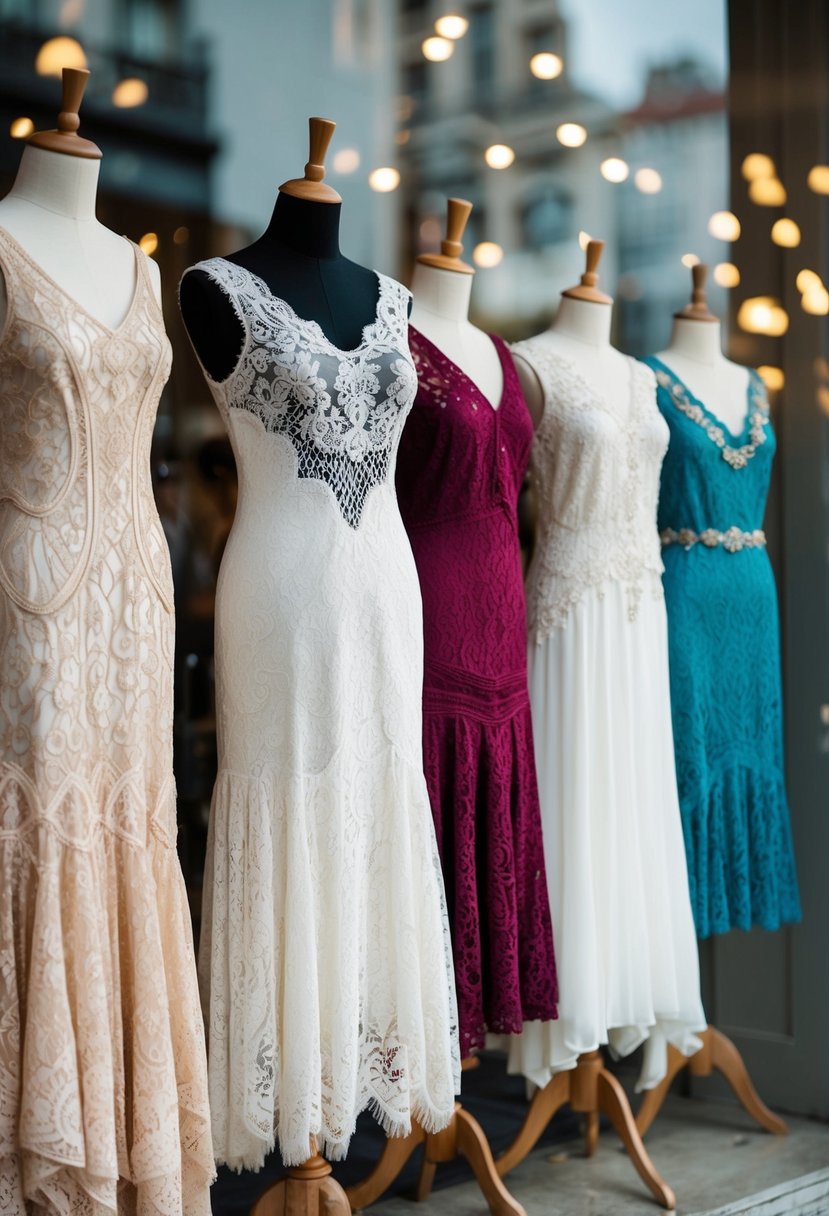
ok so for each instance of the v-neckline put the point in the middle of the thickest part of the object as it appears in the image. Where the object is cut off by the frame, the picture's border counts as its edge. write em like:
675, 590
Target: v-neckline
493, 409
44, 274
692, 399
369, 326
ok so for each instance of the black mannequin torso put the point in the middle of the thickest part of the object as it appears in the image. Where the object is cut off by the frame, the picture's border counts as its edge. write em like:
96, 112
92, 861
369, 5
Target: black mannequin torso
298, 257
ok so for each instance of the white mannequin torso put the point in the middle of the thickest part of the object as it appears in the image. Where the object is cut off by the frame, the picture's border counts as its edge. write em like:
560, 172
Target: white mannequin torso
50, 212
694, 354
440, 312
580, 333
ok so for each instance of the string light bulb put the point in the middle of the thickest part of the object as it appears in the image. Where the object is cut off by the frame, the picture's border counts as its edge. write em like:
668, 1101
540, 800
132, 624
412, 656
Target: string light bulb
487, 254
384, 180
647, 181
724, 225
57, 54
436, 49
499, 156
757, 165
726, 274
614, 169
785, 232
546, 66
571, 134
451, 26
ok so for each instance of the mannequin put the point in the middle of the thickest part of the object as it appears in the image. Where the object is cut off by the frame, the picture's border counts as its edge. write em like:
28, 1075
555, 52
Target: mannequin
581, 330
694, 353
50, 213
442, 286
298, 257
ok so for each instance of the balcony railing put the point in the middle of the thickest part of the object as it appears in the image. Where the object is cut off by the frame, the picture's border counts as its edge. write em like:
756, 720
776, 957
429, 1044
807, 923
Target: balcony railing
176, 91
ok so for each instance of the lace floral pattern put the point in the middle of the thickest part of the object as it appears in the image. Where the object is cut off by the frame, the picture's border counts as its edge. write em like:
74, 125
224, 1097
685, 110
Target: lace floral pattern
595, 471
726, 693
342, 411
103, 1087
325, 959
477, 733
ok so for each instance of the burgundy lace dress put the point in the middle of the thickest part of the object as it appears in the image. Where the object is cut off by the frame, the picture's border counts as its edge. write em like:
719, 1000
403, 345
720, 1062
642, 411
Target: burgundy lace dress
459, 472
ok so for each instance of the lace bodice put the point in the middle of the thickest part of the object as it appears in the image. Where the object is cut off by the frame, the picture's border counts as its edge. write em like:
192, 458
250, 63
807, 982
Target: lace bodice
342, 411
595, 466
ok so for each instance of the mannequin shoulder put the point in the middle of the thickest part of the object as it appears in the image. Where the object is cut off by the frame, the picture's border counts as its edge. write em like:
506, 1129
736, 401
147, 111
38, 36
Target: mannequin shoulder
214, 328
155, 278
531, 386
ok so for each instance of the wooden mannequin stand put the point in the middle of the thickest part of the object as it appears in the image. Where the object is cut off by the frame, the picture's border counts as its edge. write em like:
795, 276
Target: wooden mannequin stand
718, 1054
590, 1090
463, 1137
307, 1190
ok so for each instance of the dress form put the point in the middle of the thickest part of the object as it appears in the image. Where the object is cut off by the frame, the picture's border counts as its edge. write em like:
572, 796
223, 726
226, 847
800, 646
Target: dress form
581, 334
298, 257
442, 286
694, 353
50, 213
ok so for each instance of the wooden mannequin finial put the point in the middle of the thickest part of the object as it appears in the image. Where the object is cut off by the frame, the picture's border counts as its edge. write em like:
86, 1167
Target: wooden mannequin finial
586, 289
311, 186
449, 258
66, 139
698, 309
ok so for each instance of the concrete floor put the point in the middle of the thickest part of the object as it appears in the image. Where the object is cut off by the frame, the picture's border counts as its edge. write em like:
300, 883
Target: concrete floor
710, 1152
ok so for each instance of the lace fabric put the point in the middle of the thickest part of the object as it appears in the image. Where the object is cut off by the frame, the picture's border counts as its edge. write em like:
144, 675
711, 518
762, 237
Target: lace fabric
590, 464
599, 689
726, 692
103, 1086
325, 959
459, 474
342, 415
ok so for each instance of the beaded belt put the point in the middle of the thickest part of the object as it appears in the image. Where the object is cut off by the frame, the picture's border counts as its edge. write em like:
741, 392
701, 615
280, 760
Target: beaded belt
732, 540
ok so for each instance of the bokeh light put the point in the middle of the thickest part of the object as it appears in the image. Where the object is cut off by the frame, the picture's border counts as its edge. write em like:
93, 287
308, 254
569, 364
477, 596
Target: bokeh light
57, 54
614, 169
487, 254
546, 66
130, 93
648, 181
726, 274
384, 180
21, 128
499, 156
724, 225
437, 50
571, 134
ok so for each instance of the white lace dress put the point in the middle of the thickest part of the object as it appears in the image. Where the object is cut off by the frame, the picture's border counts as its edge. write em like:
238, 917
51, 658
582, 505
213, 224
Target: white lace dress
325, 959
598, 668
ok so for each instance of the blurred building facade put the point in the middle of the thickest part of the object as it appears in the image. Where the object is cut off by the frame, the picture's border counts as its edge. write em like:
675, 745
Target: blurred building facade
536, 209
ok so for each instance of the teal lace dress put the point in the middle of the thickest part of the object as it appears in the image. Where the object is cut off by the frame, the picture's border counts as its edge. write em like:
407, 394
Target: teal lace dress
724, 652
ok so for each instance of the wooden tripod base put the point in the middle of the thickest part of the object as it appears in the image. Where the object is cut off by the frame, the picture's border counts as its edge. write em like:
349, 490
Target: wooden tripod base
719, 1054
463, 1137
590, 1089
306, 1190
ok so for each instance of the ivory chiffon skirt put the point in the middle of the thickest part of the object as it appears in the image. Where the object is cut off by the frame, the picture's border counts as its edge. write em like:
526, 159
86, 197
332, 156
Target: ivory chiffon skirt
625, 943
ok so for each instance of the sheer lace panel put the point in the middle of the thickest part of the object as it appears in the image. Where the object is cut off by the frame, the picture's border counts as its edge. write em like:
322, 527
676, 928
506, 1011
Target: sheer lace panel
342, 411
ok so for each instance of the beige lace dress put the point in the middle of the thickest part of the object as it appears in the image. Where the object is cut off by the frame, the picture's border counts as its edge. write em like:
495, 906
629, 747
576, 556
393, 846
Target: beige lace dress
103, 1102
